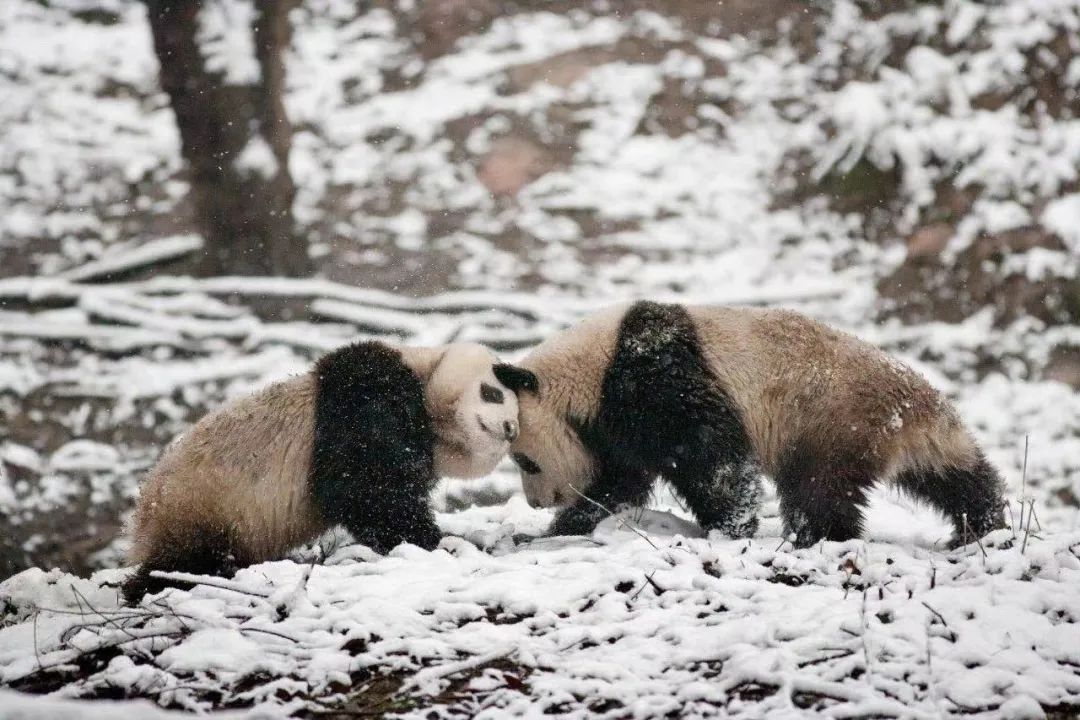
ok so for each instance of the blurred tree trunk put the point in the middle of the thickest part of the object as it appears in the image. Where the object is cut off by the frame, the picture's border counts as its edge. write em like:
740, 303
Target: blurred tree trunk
235, 137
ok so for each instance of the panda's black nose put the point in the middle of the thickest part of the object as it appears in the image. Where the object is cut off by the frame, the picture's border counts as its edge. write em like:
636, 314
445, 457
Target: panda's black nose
511, 429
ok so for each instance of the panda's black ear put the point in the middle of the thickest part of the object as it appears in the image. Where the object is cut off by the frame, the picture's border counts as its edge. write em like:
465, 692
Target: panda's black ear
516, 378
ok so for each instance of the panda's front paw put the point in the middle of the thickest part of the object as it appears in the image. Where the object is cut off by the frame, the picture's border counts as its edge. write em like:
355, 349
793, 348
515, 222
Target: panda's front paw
744, 528
458, 546
424, 535
523, 538
572, 521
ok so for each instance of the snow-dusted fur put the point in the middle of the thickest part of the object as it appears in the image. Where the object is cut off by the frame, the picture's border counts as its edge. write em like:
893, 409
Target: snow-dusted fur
370, 426
709, 397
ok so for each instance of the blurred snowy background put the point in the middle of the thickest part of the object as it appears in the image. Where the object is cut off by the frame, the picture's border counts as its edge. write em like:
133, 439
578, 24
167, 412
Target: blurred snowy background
184, 220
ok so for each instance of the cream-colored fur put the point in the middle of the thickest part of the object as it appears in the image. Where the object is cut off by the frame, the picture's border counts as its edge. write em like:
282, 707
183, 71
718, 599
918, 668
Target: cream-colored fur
796, 379
793, 380
243, 470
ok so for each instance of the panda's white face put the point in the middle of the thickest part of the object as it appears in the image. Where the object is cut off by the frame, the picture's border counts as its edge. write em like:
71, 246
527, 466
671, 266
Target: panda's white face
552, 460
476, 416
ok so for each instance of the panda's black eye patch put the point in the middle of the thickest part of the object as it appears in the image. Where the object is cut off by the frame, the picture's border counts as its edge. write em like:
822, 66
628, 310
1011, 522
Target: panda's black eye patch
490, 393
526, 464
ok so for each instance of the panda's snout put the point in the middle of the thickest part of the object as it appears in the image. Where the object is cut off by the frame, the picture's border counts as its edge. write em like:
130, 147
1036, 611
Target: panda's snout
508, 432
531, 495
510, 429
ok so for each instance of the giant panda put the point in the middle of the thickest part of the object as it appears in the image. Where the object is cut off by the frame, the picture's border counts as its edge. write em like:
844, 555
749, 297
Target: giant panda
358, 441
711, 397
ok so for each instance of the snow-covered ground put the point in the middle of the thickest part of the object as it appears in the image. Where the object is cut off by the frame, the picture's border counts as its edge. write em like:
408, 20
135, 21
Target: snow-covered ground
402, 167
619, 626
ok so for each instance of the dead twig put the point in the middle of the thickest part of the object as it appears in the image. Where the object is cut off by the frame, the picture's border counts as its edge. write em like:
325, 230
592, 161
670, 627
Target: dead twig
936, 613
648, 579
1033, 516
864, 639
1023, 480
156, 693
679, 501
160, 602
37, 652
283, 636
941, 618
978, 541
108, 646
655, 585
82, 599
1023, 476
208, 581
1027, 530
929, 664
83, 613
818, 661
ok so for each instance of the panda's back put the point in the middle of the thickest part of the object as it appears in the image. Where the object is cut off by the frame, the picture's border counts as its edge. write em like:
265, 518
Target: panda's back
797, 380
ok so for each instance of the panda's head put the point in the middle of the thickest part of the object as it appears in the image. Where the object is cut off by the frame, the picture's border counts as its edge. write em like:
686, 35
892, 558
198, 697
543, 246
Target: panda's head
475, 415
548, 451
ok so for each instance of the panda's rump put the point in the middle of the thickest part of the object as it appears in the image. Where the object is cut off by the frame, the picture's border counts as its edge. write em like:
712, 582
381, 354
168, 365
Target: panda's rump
805, 387
862, 408
241, 471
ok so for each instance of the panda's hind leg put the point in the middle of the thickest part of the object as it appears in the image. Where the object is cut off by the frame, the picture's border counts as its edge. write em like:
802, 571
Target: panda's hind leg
202, 553
969, 494
821, 499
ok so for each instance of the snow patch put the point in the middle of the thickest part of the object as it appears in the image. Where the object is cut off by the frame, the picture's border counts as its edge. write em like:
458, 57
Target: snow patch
257, 158
226, 38
1062, 217
214, 649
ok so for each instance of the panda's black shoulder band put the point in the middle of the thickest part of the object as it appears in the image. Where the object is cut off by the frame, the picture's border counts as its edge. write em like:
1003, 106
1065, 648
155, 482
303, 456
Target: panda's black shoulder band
516, 378
372, 463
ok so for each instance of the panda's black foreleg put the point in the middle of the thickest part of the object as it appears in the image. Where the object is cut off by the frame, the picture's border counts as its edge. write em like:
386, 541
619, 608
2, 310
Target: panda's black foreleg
577, 519
383, 540
725, 498
612, 489
372, 459
821, 500
390, 518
